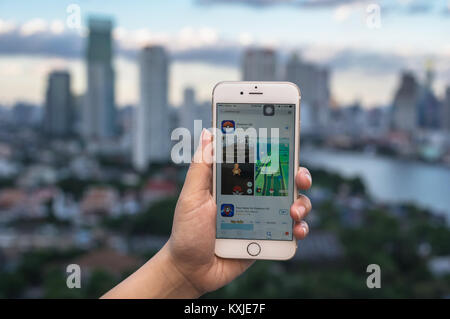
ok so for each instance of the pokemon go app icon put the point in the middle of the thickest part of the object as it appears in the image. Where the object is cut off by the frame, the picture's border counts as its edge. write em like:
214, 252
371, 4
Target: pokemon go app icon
227, 210
228, 126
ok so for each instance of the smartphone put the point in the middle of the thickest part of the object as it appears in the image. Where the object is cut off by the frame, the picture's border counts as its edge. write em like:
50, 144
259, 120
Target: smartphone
256, 129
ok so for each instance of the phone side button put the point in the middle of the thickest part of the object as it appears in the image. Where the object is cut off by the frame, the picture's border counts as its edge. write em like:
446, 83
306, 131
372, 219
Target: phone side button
253, 249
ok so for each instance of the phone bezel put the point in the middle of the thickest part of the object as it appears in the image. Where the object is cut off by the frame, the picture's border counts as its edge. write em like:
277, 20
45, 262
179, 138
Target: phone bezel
271, 93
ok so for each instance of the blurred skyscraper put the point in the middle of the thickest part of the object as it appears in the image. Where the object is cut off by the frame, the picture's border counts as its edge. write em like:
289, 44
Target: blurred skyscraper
314, 86
404, 106
59, 115
446, 110
259, 65
192, 110
25, 114
98, 118
354, 119
152, 135
189, 96
187, 113
428, 104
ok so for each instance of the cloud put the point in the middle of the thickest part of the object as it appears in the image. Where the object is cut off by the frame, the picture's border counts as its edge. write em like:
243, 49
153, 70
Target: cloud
34, 40
268, 3
342, 12
57, 27
203, 44
38, 37
252, 3
229, 55
34, 26
412, 7
6, 26
371, 62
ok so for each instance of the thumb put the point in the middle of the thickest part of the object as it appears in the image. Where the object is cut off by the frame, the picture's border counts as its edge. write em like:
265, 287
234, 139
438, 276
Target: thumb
199, 175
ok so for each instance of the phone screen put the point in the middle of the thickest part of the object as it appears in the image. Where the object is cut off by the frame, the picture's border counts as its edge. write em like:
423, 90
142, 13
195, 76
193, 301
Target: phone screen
254, 163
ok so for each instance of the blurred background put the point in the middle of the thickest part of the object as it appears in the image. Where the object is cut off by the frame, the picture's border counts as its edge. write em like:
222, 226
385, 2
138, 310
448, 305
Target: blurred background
91, 90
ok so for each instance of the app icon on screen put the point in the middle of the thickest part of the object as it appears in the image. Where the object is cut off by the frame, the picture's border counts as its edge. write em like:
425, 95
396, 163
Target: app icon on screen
228, 126
227, 210
237, 190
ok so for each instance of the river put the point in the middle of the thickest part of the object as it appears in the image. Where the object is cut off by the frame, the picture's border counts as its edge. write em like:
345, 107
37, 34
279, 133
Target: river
388, 179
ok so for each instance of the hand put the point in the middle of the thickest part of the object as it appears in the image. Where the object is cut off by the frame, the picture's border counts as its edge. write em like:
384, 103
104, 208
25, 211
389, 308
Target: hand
186, 266
191, 244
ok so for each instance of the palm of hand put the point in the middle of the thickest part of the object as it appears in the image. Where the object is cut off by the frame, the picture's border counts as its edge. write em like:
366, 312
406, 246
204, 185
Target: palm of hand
193, 234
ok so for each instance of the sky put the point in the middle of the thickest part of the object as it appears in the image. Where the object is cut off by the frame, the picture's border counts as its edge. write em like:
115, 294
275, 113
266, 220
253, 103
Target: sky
205, 40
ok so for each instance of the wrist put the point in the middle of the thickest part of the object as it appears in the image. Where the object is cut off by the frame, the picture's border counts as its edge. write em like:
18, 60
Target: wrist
178, 285
157, 278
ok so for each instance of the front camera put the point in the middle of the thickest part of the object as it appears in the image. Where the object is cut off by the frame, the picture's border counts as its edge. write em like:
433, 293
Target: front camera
242, 93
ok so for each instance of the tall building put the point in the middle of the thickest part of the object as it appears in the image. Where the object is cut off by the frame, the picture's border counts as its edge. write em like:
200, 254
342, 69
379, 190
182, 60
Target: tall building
77, 110
259, 65
98, 116
446, 110
404, 106
191, 110
25, 114
187, 112
59, 115
152, 135
189, 96
428, 106
313, 82
354, 119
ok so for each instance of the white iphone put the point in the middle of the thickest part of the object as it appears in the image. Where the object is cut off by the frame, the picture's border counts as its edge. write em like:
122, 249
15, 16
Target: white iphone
256, 128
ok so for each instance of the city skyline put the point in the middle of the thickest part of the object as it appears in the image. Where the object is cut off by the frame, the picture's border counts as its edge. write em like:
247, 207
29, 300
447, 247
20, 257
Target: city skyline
365, 62
414, 100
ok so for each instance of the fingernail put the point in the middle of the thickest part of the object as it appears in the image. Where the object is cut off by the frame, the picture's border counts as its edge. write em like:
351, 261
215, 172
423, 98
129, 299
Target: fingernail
205, 135
305, 228
300, 212
308, 176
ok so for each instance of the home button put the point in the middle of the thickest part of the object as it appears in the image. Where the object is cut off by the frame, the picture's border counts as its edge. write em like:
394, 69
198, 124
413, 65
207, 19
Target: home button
253, 249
